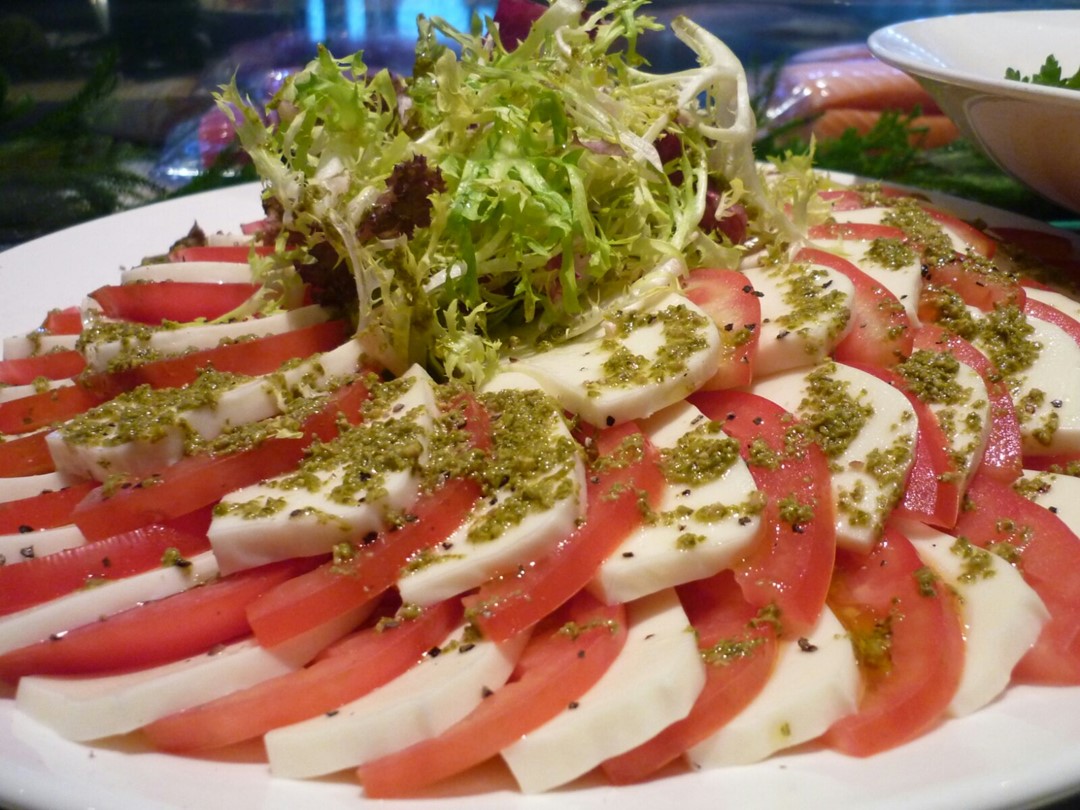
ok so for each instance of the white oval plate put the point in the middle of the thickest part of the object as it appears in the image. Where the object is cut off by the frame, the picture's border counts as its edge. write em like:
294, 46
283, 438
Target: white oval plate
1021, 751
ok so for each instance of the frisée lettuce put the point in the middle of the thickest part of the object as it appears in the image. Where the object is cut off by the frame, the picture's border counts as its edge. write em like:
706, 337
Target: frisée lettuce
503, 195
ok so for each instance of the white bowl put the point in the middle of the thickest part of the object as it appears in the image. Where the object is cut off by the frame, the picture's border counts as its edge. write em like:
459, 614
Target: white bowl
1031, 131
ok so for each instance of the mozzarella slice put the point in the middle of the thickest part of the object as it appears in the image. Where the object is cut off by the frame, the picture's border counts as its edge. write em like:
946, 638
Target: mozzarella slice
869, 457
1058, 493
538, 504
92, 708
1002, 615
815, 682
204, 336
97, 445
700, 526
652, 683
203, 272
435, 693
904, 281
9, 393
805, 312
27, 486
36, 344
346, 490
76, 609
16, 548
636, 362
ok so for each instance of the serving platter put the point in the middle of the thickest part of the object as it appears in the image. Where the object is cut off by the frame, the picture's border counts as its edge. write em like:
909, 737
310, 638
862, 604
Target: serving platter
1022, 751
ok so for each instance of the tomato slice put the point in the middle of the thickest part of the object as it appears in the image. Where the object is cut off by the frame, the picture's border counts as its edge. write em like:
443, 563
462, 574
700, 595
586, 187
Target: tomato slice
860, 231
47, 408
976, 239
567, 654
791, 566
977, 286
1046, 551
739, 652
931, 492
196, 481
881, 332
351, 668
67, 321
504, 606
909, 641
728, 298
46, 510
52, 366
154, 633
26, 455
331, 591
1001, 458
180, 301
261, 355
43, 578
219, 253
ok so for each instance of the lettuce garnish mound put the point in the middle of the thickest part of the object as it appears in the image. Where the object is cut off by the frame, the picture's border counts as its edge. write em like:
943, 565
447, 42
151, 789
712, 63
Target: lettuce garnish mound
503, 195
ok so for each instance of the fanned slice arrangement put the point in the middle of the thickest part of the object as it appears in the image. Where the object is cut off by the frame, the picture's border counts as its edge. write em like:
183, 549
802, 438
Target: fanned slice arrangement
537, 422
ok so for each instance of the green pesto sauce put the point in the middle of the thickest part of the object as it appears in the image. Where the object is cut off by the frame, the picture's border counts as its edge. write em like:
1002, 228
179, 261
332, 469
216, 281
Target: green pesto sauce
146, 414
793, 512
932, 377
809, 299
893, 254
832, 415
873, 645
701, 455
683, 333
727, 651
920, 228
1006, 337
977, 563
1031, 488
761, 455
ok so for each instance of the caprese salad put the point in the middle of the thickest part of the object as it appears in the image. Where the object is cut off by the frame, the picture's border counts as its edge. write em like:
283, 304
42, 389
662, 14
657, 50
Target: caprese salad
537, 421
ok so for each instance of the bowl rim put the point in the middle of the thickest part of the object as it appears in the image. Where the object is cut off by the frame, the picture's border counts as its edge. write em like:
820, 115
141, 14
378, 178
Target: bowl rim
887, 44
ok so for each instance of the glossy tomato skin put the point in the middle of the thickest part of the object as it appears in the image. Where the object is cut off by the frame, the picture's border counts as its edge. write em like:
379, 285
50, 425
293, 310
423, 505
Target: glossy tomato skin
555, 669
791, 565
45, 511
53, 366
26, 455
180, 301
46, 408
728, 298
909, 641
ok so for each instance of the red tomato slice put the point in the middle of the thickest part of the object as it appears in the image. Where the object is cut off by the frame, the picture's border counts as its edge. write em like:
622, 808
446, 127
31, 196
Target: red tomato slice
728, 298
199, 480
908, 637
66, 321
739, 652
180, 301
43, 578
1051, 314
881, 332
332, 591
977, 287
262, 355
27, 455
555, 669
978, 240
358, 664
52, 366
47, 408
859, 231
505, 606
154, 633
1001, 459
931, 491
849, 199
1046, 553
219, 253
44, 511
792, 564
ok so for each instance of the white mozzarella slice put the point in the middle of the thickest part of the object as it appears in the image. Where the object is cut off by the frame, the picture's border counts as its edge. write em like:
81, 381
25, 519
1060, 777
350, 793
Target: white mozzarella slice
1047, 394
36, 344
1056, 300
699, 528
617, 372
227, 239
904, 281
202, 272
206, 336
17, 548
814, 683
301, 514
9, 393
76, 609
1060, 494
875, 214
89, 708
805, 312
1001, 614
484, 546
652, 683
235, 402
427, 699
868, 472
27, 486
